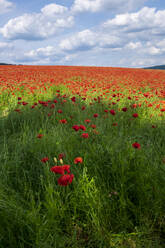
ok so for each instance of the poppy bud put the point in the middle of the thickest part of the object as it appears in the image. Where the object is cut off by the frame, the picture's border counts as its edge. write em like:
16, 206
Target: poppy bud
61, 161
55, 159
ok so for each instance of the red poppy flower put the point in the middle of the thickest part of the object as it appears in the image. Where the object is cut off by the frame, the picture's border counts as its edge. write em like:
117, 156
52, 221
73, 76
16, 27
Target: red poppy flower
112, 112
65, 179
83, 107
162, 110
82, 127
61, 155
135, 115
85, 135
124, 109
59, 111
19, 98
106, 110
136, 145
55, 101
57, 169
24, 103
63, 121
66, 168
78, 160
52, 105
95, 115
134, 105
73, 99
44, 160
87, 121
40, 136
93, 126
76, 128
153, 126
17, 110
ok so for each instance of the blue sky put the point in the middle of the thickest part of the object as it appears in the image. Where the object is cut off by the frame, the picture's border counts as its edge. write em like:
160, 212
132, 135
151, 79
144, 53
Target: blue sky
121, 33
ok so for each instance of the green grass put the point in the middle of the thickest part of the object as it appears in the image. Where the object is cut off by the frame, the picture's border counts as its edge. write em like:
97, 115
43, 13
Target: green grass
117, 195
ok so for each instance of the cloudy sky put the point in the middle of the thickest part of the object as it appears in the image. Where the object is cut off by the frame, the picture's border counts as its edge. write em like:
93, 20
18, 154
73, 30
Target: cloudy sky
122, 33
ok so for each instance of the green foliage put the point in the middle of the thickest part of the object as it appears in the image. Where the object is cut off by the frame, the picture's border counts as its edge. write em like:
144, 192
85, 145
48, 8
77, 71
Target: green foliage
117, 195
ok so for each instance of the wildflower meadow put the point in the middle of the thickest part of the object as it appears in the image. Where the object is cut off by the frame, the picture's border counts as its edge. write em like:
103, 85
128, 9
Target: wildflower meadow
82, 157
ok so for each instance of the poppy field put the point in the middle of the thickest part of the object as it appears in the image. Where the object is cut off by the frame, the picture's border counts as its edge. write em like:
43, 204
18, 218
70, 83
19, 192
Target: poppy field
82, 157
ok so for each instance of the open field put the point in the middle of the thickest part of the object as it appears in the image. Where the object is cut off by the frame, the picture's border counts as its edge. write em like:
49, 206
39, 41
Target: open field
82, 157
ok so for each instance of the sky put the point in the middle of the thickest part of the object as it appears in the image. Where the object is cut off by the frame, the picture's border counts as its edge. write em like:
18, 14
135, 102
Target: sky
115, 33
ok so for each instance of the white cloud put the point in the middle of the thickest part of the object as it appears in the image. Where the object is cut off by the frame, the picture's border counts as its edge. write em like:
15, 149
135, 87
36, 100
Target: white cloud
45, 55
52, 10
83, 40
148, 48
145, 19
161, 44
110, 41
41, 52
5, 45
133, 45
154, 50
87, 40
5, 6
143, 62
36, 26
100, 5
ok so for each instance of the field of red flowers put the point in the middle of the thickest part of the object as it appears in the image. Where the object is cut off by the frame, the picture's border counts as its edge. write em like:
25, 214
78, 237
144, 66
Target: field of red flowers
82, 157
81, 80
140, 84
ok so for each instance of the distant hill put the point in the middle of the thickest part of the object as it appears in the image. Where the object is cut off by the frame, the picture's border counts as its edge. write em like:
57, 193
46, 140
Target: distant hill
158, 67
5, 64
